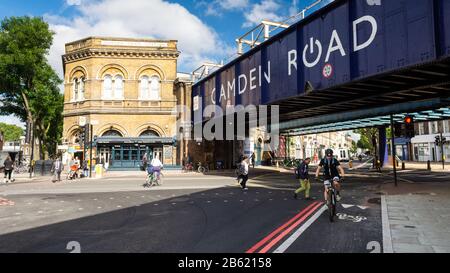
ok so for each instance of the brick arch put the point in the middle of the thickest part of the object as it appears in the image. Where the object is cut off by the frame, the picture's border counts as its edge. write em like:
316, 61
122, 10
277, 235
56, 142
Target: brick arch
112, 126
124, 72
153, 67
79, 68
150, 126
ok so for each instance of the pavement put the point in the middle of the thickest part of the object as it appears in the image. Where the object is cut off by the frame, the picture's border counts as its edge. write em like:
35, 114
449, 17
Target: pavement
195, 213
416, 217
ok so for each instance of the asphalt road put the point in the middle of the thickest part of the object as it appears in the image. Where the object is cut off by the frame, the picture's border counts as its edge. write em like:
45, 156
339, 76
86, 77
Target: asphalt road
221, 219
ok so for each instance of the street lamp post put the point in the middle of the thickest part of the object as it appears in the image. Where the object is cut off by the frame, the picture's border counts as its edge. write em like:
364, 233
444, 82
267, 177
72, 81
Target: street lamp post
393, 150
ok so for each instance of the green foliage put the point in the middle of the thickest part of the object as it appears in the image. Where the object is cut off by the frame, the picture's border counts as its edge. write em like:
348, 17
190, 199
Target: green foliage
28, 85
367, 137
11, 132
354, 148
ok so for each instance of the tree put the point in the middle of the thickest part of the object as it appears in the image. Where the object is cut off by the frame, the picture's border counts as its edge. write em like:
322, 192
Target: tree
28, 85
354, 148
368, 139
11, 132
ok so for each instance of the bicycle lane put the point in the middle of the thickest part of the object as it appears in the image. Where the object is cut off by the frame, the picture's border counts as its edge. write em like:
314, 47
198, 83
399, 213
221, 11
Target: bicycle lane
357, 228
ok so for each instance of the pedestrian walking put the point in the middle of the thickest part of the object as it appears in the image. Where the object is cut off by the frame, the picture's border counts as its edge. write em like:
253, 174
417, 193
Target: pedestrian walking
243, 170
253, 160
303, 176
57, 169
9, 167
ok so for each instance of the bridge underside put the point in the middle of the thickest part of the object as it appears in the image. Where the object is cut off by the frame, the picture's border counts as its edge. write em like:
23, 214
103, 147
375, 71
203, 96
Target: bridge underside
370, 102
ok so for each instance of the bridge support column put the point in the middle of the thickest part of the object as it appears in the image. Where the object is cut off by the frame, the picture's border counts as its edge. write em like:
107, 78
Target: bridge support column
382, 146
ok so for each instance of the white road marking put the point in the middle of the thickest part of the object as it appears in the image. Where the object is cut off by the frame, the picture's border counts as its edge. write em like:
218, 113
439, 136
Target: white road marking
282, 248
119, 206
40, 211
80, 208
60, 210
346, 206
18, 213
363, 207
387, 239
99, 207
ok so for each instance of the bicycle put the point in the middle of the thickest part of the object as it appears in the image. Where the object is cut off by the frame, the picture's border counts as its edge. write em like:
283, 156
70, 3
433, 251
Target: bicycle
331, 198
202, 169
188, 167
153, 180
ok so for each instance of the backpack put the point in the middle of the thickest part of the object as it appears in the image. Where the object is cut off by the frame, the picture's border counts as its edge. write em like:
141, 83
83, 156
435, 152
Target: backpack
333, 165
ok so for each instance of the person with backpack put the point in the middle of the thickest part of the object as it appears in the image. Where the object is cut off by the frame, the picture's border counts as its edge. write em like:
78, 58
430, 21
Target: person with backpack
303, 176
332, 170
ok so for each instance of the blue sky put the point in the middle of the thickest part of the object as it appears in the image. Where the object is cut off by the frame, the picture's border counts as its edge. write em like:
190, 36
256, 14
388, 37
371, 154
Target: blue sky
206, 30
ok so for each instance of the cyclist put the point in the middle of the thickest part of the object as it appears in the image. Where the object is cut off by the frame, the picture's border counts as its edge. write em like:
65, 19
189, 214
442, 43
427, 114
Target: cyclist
157, 167
332, 170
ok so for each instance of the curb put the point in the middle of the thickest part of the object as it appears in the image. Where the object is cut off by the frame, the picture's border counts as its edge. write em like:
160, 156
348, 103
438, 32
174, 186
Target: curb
387, 238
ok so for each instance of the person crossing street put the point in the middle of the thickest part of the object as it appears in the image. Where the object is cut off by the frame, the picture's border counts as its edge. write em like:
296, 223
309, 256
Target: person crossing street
303, 176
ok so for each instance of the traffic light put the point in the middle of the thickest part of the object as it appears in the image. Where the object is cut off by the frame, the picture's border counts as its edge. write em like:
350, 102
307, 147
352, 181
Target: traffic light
398, 130
409, 127
86, 135
437, 140
82, 139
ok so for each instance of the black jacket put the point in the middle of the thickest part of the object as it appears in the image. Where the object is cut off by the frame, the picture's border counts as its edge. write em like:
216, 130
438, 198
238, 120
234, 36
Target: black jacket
302, 171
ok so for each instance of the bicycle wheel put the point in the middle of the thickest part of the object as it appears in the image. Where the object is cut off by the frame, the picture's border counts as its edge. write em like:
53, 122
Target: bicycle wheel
331, 206
201, 169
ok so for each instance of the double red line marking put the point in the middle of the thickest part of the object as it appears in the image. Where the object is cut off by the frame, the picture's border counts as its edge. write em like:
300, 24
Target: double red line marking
285, 229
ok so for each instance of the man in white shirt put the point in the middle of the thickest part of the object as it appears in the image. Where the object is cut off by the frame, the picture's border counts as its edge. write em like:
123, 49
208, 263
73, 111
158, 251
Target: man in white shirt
244, 173
157, 166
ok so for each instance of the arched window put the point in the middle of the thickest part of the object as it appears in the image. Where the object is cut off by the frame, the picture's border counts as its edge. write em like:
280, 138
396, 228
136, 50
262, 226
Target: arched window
155, 87
118, 87
107, 87
81, 89
149, 133
112, 133
75, 90
144, 88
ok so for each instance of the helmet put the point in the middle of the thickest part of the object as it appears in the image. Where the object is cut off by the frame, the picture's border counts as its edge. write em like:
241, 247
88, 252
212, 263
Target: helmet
329, 152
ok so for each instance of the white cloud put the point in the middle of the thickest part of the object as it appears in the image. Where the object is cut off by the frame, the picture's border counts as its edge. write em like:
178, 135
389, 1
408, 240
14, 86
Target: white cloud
233, 4
73, 2
265, 10
142, 19
216, 7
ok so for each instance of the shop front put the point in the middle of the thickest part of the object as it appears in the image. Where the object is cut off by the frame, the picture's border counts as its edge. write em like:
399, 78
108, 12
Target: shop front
127, 153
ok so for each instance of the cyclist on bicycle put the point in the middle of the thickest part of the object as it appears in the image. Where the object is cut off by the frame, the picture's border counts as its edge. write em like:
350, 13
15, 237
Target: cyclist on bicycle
157, 166
332, 170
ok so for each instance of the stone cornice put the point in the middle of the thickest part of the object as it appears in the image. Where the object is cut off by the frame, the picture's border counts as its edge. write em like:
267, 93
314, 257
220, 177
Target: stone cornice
119, 53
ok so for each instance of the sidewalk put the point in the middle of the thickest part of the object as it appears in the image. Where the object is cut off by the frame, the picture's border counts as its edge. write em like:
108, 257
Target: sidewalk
416, 218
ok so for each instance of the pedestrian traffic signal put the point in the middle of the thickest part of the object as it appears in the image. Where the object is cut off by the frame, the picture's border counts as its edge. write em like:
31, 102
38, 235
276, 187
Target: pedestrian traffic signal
437, 141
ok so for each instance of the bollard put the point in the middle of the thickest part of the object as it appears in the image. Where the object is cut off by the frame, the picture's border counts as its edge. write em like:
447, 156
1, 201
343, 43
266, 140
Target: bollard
429, 165
350, 164
403, 166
